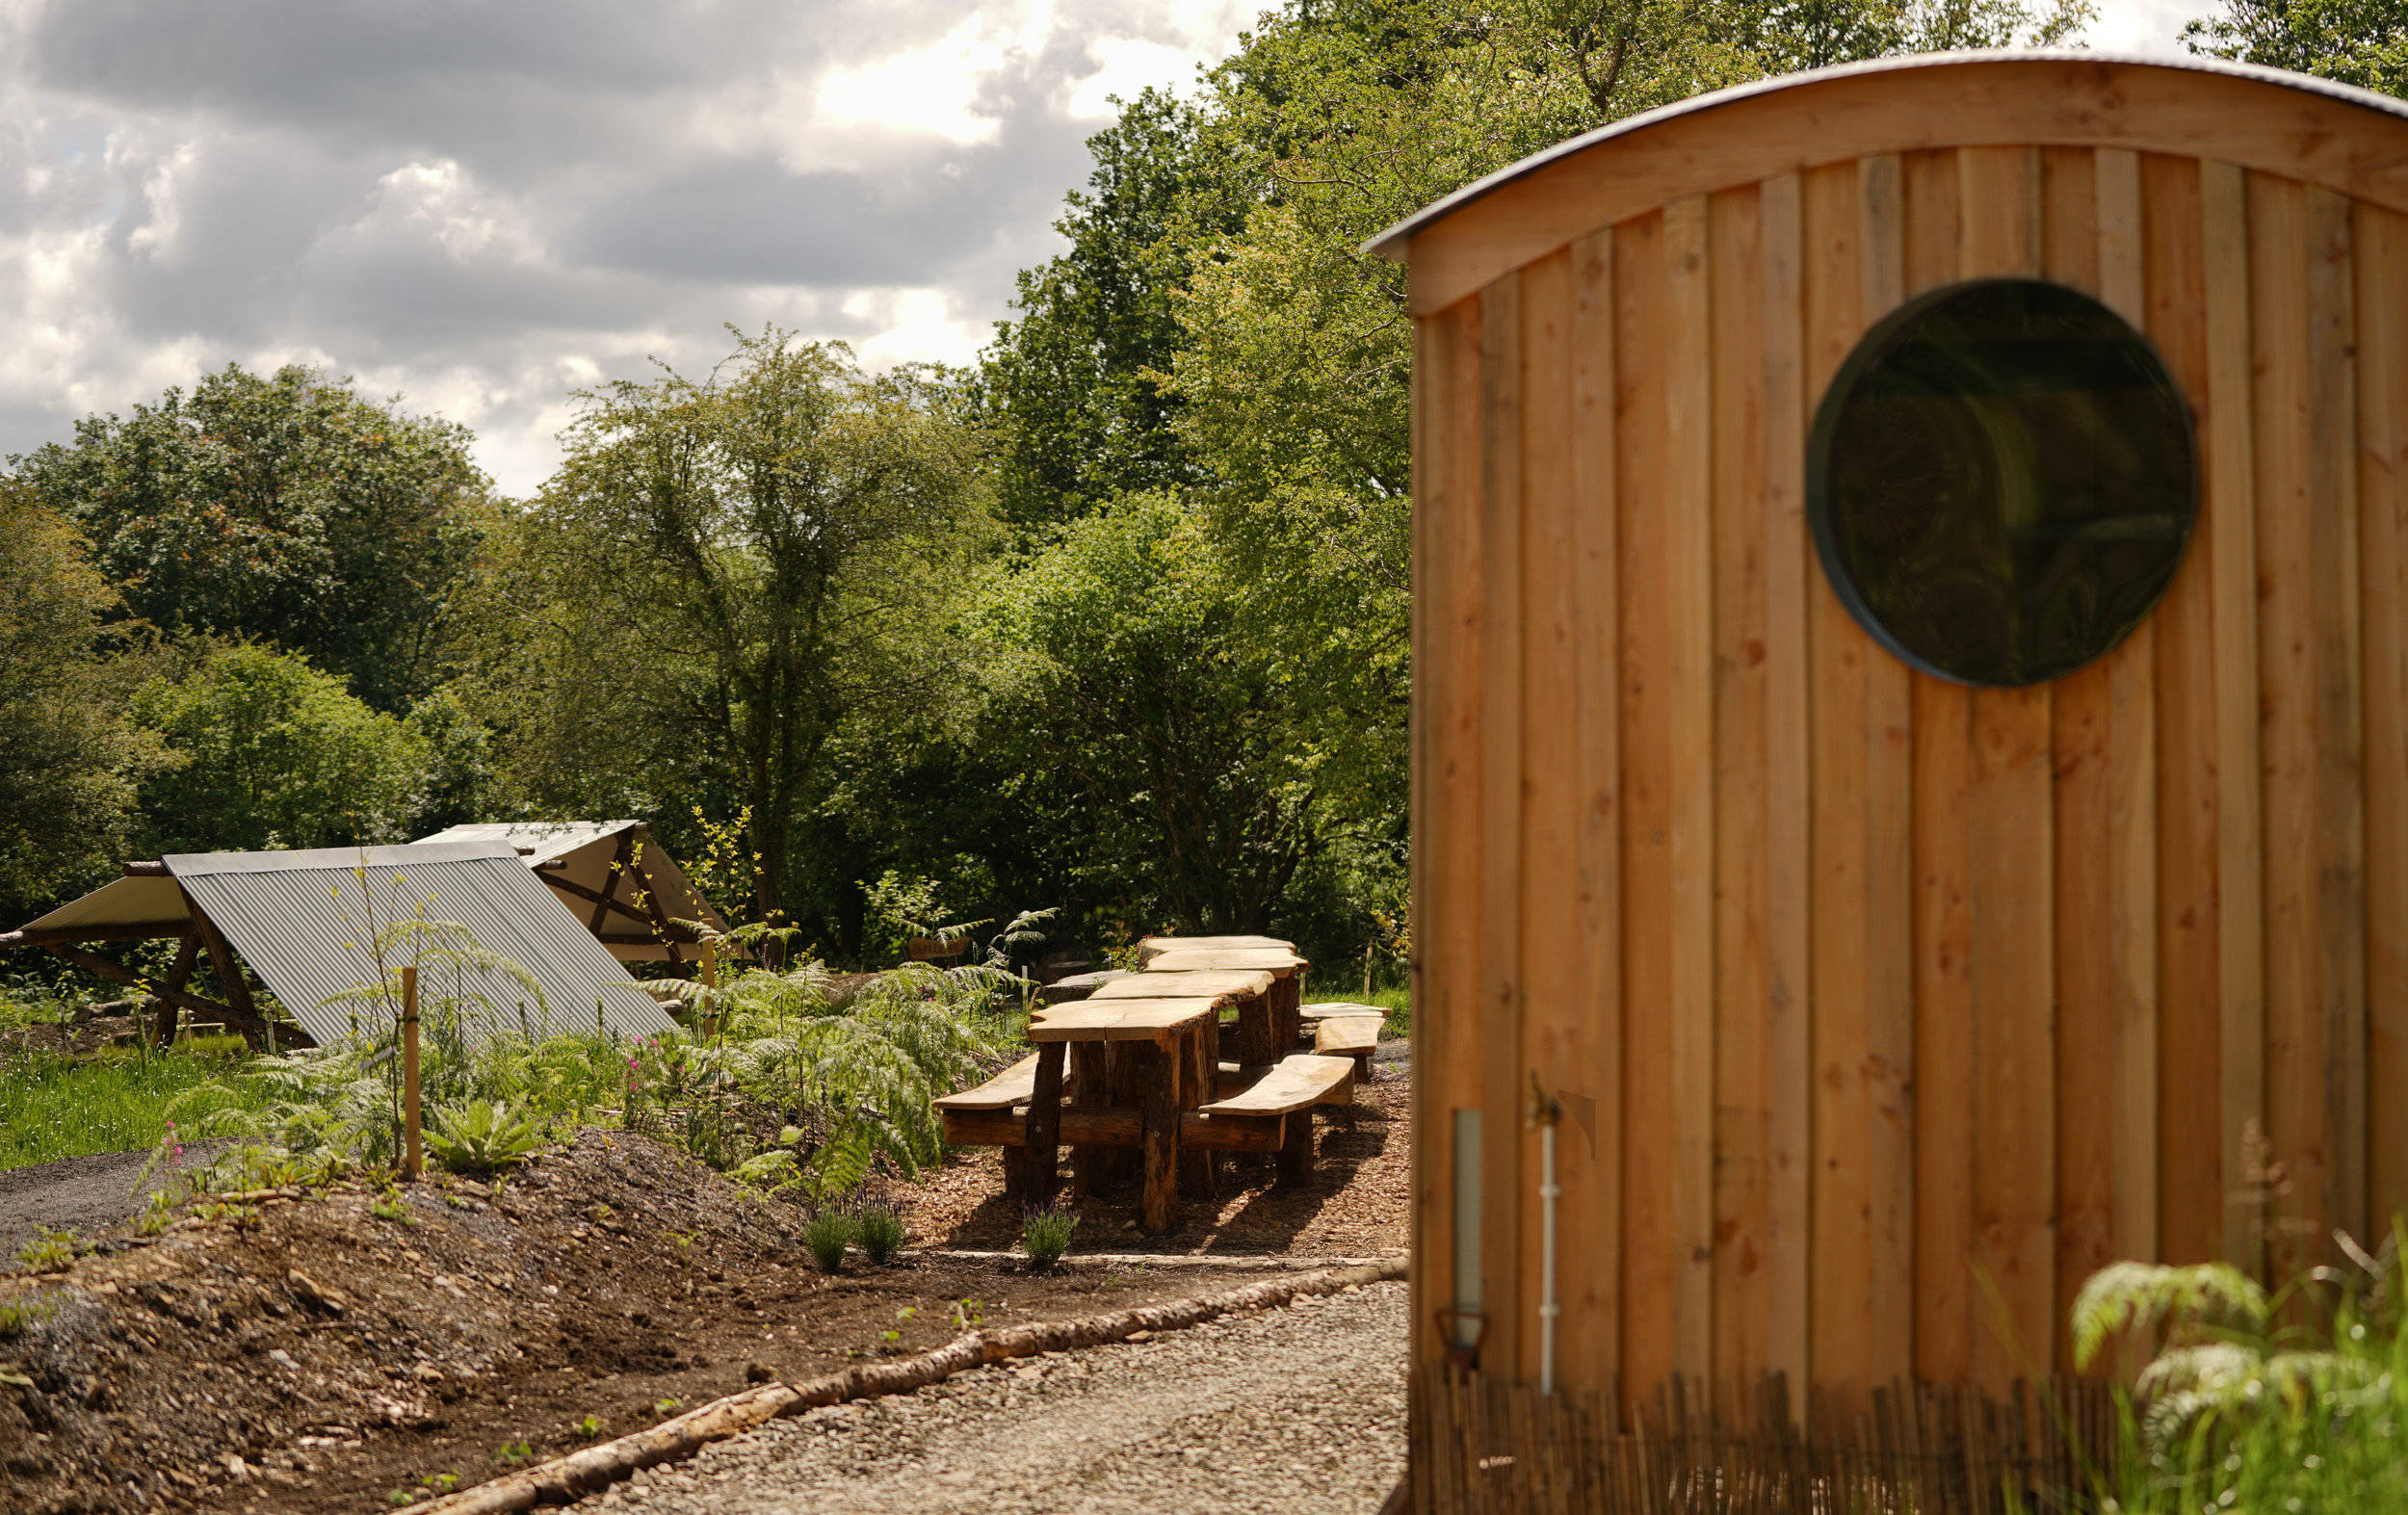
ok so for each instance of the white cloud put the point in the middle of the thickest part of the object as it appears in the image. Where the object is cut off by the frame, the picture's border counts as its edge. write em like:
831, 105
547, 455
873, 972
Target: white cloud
2152, 27
483, 207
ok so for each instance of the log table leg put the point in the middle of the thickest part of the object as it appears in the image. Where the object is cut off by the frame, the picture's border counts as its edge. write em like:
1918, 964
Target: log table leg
1161, 1139
1258, 1018
1089, 1088
1295, 1148
1125, 1077
1288, 1013
1044, 1122
1194, 1055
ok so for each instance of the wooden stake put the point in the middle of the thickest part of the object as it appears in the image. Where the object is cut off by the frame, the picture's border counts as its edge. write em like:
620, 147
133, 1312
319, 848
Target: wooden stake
410, 1160
711, 981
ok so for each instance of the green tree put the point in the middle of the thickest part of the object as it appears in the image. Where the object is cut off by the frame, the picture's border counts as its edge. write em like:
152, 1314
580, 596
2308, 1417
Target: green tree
274, 754
1131, 698
283, 508
1068, 388
70, 760
2362, 42
724, 573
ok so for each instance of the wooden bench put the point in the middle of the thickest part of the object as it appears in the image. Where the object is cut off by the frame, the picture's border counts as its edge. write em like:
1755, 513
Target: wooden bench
1275, 1112
1356, 1036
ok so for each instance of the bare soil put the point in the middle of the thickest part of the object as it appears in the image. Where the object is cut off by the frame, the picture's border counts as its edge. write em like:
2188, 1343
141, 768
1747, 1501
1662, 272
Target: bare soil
311, 1356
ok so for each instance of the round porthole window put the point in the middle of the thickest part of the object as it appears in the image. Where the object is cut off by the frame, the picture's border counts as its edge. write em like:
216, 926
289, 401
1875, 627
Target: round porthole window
2002, 481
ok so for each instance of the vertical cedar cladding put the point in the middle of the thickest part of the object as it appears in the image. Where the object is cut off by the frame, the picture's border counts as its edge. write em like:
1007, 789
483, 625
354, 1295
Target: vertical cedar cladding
1854, 986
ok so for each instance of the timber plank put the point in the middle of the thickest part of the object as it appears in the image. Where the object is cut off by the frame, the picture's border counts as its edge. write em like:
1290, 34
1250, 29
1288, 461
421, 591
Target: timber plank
2082, 716
1588, 1347
1650, 1157
1789, 878
1553, 1029
1944, 1308
2287, 503
1889, 864
2232, 528
2010, 806
2382, 310
1503, 1083
2191, 1188
2340, 1100
2132, 790
1841, 1333
1688, 486
1742, 1095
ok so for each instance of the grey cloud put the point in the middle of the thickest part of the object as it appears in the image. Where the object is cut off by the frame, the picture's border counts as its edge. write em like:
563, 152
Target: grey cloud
473, 199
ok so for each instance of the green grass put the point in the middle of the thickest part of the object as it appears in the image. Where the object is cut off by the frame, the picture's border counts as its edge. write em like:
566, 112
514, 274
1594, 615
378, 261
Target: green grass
1395, 1005
57, 1107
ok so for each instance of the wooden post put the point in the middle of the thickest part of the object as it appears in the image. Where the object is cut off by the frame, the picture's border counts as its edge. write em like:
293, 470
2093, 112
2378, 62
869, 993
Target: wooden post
1258, 1034
1296, 1147
410, 1160
711, 984
1045, 1122
1162, 1138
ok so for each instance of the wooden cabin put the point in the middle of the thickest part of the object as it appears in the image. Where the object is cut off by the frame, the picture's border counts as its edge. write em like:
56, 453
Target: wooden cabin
1911, 713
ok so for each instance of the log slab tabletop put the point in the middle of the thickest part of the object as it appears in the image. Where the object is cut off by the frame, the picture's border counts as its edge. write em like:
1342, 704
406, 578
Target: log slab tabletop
1153, 946
1225, 987
1280, 961
1283, 1031
1121, 1020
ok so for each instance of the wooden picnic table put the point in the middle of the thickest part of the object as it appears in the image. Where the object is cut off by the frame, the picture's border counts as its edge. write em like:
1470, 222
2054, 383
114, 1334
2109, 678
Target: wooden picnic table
1162, 1054
1277, 1033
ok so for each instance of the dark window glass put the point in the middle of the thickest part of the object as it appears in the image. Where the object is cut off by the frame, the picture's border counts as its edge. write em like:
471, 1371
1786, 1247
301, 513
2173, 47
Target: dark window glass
2002, 481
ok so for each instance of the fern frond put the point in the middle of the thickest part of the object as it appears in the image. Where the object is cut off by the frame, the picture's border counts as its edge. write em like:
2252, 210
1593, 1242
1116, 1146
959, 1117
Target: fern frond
2130, 1295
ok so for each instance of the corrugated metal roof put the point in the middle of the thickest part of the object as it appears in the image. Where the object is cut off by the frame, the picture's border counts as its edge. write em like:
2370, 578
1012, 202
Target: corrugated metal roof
580, 853
291, 914
128, 902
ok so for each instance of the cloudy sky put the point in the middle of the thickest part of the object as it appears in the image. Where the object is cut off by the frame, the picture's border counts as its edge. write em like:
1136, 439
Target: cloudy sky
482, 204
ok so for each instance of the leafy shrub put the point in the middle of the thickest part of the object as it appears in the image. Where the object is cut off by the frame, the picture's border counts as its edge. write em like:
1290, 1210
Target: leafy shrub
23, 1312
2274, 1403
826, 1235
1046, 1234
479, 1137
50, 1251
881, 1233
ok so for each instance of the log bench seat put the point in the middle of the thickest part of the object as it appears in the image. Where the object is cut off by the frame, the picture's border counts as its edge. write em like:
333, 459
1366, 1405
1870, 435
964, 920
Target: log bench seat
1356, 1036
1266, 1110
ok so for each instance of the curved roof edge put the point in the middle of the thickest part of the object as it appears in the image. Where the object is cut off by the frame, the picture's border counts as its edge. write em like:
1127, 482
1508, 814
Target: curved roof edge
1391, 243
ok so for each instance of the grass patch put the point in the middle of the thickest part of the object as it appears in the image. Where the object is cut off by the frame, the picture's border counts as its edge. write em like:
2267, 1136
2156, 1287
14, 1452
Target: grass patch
55, 1107
1395, 1007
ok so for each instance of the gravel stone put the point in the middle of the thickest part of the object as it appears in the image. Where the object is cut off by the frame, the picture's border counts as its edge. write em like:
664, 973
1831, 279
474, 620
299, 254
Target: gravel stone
1294, 1410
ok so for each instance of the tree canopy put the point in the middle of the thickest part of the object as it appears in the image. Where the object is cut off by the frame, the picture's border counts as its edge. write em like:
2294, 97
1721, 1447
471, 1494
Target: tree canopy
283, 508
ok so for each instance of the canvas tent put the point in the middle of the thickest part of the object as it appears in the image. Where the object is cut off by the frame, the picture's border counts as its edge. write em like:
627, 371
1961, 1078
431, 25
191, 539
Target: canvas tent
302, 921
612, 875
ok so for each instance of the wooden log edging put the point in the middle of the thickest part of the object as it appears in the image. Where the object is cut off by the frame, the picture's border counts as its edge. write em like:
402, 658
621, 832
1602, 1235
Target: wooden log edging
591, 1469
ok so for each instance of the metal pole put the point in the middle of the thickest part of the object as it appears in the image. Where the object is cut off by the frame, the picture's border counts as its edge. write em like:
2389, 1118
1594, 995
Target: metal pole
411, 1163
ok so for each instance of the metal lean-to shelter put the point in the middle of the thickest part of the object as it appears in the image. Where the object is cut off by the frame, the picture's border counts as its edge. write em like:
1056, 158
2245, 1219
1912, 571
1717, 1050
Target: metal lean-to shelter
612, 875
302, 921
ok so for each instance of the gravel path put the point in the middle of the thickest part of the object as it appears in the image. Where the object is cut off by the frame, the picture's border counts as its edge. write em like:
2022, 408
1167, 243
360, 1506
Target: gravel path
1295, 1410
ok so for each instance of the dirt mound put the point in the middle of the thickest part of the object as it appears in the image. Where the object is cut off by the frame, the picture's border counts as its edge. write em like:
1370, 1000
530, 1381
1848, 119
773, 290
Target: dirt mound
302, 1353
